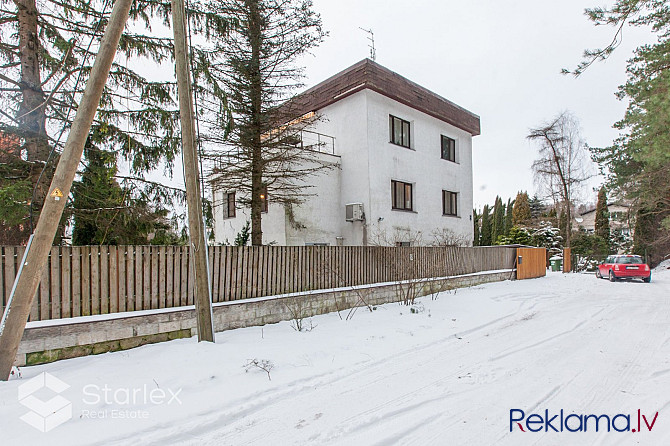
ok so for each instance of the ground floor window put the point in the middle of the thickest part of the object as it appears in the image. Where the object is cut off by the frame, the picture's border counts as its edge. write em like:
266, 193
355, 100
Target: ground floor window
229, 205
449, 203
401, 196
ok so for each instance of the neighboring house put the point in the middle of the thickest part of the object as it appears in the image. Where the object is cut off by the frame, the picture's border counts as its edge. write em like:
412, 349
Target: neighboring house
403, 158
620, 219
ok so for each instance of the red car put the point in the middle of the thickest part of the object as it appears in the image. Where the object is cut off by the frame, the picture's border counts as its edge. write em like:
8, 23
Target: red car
624, 267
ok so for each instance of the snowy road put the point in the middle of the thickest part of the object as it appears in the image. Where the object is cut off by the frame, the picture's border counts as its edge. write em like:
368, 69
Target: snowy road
448, 374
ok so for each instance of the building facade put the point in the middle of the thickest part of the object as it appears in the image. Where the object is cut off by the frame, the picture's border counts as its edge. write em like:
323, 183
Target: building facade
619, 215
401, 171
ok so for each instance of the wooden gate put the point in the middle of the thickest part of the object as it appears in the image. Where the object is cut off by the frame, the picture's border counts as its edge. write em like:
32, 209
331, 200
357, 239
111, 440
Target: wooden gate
567, 260
531, 263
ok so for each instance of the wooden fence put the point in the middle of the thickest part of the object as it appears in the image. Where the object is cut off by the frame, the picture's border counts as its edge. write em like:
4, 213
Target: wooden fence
85, 280
531, 263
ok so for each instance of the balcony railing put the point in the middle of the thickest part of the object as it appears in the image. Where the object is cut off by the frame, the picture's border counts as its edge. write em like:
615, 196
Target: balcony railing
317, 141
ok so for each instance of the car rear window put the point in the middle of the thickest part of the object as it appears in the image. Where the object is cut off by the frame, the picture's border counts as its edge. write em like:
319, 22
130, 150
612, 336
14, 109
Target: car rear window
629, 260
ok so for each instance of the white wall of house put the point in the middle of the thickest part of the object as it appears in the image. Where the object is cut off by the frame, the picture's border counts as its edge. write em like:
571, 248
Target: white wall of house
318, 219
226, 229
367, 164
422, 166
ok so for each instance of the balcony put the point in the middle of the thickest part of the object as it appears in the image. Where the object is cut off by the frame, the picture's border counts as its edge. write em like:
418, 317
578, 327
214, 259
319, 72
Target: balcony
317, 142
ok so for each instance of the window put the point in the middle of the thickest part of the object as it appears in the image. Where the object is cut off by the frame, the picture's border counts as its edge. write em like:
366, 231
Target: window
229, 205
628, 260
403, 244
448, 149
264, 199
401, 196
399, 131
449, 203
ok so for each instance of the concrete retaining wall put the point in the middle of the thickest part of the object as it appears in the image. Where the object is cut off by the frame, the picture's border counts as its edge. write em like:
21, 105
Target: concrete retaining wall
68, 338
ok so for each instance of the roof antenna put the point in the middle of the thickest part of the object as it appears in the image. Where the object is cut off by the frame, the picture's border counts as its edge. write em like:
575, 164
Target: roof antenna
371, 38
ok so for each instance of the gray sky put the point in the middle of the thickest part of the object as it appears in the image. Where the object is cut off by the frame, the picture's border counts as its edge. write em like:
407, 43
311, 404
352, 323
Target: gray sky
500, 60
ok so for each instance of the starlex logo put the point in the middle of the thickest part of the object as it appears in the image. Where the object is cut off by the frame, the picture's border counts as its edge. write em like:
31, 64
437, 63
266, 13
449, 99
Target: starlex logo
573, 422
45, 415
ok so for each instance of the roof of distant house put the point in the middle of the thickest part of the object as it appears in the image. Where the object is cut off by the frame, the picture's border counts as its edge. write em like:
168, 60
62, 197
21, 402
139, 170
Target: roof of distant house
612, 203
369, 74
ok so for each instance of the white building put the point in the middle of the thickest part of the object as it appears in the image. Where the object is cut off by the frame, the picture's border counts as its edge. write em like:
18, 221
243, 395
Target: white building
403, 173
620, 219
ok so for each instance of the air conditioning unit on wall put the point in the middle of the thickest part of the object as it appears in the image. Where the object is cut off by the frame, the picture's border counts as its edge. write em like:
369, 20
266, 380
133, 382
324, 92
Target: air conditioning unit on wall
354, 212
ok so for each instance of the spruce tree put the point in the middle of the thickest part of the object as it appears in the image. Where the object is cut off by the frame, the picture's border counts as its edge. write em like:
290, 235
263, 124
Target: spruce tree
537, 207
98, 199
43, 72
262, 157
242, 237
602, 220
521, 213
108, 213
486, 233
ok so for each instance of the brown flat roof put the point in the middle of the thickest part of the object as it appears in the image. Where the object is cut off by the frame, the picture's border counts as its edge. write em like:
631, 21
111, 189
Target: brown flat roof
369, 74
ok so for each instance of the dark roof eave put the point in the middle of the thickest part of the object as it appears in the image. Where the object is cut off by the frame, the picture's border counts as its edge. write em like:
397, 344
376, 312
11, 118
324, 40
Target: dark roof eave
367, 74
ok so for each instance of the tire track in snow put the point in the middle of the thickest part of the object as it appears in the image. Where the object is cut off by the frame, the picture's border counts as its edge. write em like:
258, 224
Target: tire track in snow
271, 399
234, 414
553, 337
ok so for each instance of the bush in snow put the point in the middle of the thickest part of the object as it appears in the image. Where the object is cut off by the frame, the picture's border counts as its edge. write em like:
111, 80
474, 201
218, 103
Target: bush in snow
300, 313
261, 364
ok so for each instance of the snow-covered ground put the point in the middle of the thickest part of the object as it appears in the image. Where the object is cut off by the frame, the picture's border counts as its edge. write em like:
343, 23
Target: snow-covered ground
446, 373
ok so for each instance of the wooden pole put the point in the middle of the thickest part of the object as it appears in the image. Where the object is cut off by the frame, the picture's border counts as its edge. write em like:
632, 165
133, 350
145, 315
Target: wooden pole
18, 309
203, 299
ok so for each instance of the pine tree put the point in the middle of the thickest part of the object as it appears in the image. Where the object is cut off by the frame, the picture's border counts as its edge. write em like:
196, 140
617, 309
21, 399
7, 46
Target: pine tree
486, 233
260, 74
521, 213
602, 220
475, 221
637, 163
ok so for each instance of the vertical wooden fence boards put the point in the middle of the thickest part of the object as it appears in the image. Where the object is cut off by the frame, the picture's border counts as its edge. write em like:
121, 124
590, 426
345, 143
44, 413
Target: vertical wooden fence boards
86, 280
531, 263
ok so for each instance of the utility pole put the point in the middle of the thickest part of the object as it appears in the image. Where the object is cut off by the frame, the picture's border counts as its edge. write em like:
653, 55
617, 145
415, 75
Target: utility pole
16, 314
196, 227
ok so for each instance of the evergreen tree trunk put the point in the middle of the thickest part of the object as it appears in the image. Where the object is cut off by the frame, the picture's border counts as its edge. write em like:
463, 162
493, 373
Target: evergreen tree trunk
31, 117
256, 90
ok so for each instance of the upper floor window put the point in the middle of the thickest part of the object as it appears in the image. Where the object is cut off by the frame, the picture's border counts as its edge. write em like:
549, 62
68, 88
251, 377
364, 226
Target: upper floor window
448, 149
449, 203
229, 205
399, 130
401, 196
